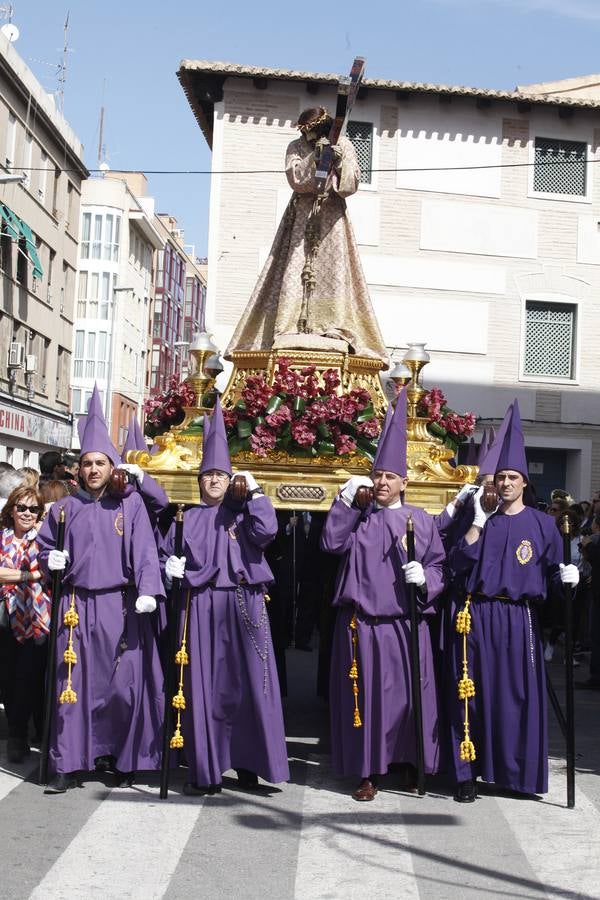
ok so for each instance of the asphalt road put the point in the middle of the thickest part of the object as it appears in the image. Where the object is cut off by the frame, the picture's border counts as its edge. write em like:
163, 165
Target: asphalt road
307, 839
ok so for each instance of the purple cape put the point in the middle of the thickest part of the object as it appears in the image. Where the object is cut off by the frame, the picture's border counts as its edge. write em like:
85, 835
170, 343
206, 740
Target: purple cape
233, 716
515, 558
117, 678
371, 584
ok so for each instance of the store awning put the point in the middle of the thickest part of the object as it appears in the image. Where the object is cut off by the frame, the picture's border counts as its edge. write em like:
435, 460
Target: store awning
17, 229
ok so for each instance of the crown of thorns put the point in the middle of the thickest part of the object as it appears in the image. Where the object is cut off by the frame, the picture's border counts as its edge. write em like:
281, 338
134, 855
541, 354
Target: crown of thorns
314, 123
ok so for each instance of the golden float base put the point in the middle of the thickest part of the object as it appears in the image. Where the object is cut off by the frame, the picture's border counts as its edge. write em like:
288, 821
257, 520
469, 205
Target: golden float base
294, 482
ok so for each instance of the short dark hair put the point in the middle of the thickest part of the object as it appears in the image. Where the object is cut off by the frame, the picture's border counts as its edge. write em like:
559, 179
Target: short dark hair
48, 461
6, 467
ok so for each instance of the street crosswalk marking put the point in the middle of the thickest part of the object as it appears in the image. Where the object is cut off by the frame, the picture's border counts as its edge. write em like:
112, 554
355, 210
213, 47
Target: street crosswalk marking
345, 847
10, 780
562, 845
129, 847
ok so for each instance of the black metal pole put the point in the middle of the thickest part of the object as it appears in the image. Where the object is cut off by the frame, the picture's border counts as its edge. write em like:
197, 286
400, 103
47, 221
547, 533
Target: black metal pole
294, 576
570, 693
172, 616
50, 695
415, 663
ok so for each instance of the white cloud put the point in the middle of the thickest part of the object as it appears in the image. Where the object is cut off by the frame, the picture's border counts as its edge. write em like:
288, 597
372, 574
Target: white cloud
570, 9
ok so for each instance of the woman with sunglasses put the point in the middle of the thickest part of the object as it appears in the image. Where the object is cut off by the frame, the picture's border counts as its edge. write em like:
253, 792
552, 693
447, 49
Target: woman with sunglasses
25, 616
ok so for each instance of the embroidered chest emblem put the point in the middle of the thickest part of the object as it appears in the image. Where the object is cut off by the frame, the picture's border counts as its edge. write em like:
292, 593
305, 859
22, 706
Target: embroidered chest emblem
524, 552
118, 524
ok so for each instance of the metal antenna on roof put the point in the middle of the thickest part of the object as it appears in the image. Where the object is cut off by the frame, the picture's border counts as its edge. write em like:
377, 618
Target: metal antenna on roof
9, 29
62, 67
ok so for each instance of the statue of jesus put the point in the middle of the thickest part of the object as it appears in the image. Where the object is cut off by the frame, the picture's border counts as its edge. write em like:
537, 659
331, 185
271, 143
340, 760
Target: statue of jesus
312, 293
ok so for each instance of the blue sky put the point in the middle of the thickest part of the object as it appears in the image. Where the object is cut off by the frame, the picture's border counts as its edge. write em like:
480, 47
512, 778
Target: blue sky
135, 47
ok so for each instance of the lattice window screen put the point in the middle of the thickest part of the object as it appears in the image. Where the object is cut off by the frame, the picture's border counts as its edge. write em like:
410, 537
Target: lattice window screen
549, 339
559, 167
361, 135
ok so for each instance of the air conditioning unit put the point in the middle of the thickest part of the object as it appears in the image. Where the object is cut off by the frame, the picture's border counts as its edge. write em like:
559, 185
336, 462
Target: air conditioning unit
31, 365
15, 355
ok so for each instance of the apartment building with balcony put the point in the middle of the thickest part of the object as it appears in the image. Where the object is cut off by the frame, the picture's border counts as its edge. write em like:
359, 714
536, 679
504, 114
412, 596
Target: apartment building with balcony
41, 177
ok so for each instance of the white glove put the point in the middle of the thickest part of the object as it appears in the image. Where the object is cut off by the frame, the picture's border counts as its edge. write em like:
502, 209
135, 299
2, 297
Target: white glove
145, 604
413, 573
57, 560
251, 481
465, 491
348, 491
569, 574
134, 470
480, 517
174, 568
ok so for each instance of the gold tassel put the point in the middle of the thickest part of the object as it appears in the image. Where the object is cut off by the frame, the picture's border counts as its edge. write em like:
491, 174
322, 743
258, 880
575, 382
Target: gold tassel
353, 673
71, 620
181, 659
466, 685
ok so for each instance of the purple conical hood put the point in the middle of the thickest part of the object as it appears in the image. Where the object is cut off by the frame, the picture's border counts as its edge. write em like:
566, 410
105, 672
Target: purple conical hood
391, 451
483, 448
471, 459
384, 429
95, 437
512, 451
135, 439
215, 452
488, 465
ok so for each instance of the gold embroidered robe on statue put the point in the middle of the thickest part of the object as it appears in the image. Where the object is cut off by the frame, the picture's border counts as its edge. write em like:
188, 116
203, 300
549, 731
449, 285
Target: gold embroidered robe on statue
340, 314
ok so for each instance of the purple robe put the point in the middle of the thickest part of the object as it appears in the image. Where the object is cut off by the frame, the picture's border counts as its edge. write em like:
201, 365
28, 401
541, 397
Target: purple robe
371, 584
233, 716
118, 677
508, 573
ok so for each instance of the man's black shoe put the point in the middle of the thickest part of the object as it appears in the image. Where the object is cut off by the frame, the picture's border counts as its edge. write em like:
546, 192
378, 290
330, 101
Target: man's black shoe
105, 764
247, 779
465, 792
123, 779
61, 783
191, 789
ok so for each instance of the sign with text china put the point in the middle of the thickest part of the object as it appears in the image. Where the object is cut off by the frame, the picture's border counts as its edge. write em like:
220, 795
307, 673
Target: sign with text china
33, 427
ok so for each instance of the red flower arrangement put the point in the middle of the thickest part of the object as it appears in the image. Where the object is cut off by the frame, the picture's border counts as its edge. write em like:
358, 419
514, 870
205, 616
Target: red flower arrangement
302, 414
167, 409
443, 421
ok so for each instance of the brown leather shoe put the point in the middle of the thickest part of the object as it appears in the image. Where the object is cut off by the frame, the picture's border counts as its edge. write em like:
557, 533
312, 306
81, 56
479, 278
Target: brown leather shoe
365, 791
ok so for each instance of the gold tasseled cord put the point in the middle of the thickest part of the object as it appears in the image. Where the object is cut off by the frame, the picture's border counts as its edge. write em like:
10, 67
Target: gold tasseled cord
71, 620
353, 673
466, 685
181, 659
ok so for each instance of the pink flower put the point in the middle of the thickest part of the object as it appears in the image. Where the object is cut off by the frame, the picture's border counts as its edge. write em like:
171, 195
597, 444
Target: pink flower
279, 417
331, 380
344, 443
369, 429
361, 397
302, 434
230, 418
262, 440
317, 412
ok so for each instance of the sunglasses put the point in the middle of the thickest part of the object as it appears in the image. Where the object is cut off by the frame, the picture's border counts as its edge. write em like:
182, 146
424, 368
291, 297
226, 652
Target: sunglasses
21, 508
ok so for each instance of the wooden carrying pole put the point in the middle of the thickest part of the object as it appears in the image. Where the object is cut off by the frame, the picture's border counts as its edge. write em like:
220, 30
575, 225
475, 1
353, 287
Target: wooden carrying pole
570, 694
415, 663
50, 695
173, 604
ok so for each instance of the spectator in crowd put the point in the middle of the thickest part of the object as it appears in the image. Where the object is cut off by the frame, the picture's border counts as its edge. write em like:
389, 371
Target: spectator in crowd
9, 480
51, 465
25, 618
54, 490
70, 464
558, 507
590, 548
30, 476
